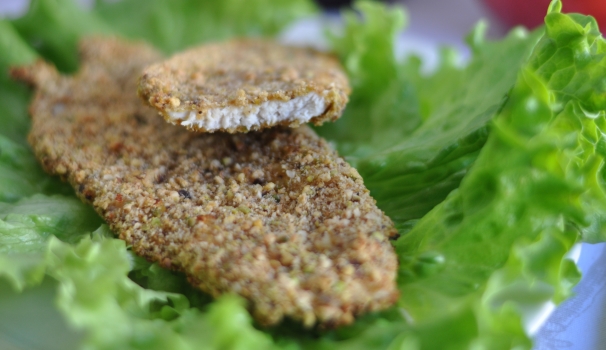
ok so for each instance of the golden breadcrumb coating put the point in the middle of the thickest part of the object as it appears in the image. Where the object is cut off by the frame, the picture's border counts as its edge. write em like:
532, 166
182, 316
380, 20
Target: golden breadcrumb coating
274, 216
245, 74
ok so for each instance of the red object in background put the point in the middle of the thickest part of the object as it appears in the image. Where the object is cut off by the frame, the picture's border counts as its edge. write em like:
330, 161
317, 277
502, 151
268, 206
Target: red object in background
531, 13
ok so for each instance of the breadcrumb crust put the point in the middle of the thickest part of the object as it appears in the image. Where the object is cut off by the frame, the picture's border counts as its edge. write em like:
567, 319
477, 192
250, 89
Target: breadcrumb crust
274, 216
212, 79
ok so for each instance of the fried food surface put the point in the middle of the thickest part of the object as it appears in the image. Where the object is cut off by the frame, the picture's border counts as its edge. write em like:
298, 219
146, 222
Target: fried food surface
246, 84
274, 216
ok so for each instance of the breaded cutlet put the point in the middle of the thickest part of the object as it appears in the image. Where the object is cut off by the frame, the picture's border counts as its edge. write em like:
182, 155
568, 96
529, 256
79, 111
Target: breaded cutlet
246, 84
274, 216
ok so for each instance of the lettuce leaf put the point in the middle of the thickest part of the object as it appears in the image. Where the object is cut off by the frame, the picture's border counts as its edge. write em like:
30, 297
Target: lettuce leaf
367, 52
13, 97
495, 248
174, 25
26, 227
53, 28
21, 175
415, 136
493, 171
96, 295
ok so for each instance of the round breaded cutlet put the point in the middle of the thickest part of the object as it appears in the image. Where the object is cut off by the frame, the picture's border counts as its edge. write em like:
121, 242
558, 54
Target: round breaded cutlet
246, 84
274, 216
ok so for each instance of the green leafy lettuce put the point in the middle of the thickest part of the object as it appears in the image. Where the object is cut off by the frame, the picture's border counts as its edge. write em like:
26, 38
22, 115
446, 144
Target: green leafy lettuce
413, 137
492, 172
20, 174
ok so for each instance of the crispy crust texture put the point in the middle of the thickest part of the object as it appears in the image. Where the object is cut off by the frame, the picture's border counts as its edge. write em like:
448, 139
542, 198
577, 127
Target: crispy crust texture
243, 73
274, 216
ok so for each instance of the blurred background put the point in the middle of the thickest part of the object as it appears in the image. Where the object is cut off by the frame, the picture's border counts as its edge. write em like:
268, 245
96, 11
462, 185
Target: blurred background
511, 12
431, 22
579, 323
505, 13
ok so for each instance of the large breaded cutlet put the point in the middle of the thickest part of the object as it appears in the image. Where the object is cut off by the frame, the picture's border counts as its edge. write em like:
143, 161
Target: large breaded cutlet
274, 216
246, 84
